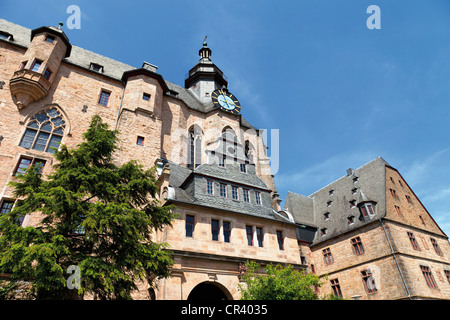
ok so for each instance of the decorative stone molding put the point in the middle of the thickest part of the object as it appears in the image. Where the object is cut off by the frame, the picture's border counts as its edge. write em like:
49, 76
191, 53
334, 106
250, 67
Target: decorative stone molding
28, 86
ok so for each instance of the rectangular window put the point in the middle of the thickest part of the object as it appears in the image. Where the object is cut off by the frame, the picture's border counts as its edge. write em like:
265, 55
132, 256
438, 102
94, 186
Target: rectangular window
447, 274
408, 198
370, 209
215, 230
243, 167
436, 246
258, 197
104, 98
223, 190
393, 193
327, 256
36, 65
80, 229
259, 236
249, 231
50, 38
234, 193
369, 281
47, 74
399, 212
6, 206
226, 231
140, 141
190, 226
222, 161
364, 211
246, 195
146, 96
25, 163
414, 243
22, 65
336, 288
358, 248
428, 277
280, 240
209, 187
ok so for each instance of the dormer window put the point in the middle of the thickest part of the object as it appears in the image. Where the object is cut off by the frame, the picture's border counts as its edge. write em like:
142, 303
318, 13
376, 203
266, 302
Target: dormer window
6, 36
96, 67
367, 210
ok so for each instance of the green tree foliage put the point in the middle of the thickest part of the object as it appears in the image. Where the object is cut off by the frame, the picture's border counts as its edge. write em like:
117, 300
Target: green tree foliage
95, 215
278, 283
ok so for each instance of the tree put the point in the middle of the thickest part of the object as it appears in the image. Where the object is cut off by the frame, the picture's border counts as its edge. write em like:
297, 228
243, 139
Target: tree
96, 216
278, 283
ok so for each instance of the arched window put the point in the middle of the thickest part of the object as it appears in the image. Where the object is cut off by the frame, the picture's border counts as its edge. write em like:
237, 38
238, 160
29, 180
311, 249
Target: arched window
194, 147
44, 131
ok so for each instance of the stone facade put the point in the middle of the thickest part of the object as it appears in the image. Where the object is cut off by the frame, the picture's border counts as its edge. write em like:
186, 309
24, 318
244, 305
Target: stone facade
186, 136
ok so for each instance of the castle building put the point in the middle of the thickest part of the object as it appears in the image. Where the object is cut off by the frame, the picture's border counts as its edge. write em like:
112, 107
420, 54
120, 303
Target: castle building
367, 231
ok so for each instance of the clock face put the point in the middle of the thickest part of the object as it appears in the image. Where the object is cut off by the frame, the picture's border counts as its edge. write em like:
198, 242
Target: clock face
226, 101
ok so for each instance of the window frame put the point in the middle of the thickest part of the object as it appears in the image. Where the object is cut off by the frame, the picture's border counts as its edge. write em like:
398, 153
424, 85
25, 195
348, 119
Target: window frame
260, 236
369, 282
189, 222
209, 187
413, 241
280, 239
429, 279
226, 230
35, 128
215, 229
436, 247
336, 287
249, 235
258, 198
223, 190
235, 193
146, 96
33, 162
140, 141
101, 99
357, 246
246, 195
35, 62
327, 256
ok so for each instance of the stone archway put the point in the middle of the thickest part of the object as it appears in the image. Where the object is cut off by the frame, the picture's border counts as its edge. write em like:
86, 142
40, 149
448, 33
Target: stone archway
209, 290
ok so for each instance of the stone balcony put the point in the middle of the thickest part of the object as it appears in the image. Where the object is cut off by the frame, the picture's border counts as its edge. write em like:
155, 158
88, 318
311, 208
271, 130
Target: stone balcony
28, 87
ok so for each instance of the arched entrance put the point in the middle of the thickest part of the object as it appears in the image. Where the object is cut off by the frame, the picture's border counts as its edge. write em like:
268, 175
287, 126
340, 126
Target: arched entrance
209, 291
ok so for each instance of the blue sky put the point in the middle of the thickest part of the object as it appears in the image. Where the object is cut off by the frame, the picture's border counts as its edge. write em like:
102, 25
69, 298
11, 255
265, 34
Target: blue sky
340, 94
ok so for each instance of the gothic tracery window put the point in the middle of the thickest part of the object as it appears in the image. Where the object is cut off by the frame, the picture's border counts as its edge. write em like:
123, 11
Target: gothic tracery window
44, 131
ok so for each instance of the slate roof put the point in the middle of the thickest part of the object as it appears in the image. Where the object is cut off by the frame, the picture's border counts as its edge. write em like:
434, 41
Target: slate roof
190, 188
111, 68
363, 184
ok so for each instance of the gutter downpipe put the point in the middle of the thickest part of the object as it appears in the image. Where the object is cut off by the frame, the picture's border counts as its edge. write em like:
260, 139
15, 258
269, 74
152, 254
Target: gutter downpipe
120, 107
395, 258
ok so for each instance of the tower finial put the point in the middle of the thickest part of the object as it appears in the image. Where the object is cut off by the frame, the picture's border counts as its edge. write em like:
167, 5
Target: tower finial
205, 52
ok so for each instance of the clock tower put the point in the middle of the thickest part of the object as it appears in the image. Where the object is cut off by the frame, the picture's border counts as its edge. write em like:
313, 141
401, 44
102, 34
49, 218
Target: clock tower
205, 77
